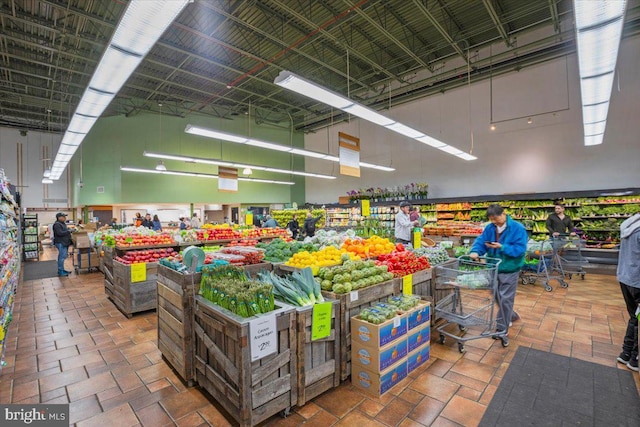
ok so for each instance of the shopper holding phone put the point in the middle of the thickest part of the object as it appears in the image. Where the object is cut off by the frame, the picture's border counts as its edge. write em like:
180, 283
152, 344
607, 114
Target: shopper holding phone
505, 239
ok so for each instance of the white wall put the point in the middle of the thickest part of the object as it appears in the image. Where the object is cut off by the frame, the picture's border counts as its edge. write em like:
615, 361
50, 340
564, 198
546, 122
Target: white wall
545, 156
33, 145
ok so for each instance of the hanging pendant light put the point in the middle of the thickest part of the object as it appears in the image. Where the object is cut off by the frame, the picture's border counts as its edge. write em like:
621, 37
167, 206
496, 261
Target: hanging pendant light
160, 166
247, 171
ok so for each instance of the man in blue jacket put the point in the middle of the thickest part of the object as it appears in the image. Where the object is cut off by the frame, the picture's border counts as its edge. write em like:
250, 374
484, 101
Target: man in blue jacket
505, 239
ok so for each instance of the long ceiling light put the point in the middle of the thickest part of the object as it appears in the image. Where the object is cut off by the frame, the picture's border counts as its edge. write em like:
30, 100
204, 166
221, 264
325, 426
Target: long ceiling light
598, 31
209, 133
288, 80
139, 29
201, 175
217, 162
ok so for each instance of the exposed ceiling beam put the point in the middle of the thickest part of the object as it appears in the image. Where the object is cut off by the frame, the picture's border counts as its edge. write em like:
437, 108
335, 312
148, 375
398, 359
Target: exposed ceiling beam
423, 9
488, 4
388, 35
555, 18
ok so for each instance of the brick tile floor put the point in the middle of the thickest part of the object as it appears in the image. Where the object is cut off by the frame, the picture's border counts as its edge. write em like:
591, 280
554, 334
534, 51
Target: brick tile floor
69, 344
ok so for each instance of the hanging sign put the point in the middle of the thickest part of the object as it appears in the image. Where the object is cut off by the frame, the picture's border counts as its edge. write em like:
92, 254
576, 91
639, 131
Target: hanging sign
321, 321
264, 336
227, 179
366, 208
139, 272
349, 154
407, 284
248, 219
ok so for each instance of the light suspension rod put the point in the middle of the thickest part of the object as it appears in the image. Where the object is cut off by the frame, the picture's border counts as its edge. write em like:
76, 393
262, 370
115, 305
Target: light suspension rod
295, 83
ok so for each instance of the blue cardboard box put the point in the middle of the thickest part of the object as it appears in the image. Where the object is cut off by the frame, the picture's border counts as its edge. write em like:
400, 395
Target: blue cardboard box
378, 360
419, 337
418, 357
378, 383
376, 336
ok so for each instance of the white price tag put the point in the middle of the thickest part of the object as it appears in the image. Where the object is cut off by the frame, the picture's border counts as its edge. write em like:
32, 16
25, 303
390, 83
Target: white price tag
466, 241
264, 336
354, 296
396, 322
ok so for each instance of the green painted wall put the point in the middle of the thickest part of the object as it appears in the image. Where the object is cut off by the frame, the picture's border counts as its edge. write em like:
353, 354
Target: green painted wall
121, 141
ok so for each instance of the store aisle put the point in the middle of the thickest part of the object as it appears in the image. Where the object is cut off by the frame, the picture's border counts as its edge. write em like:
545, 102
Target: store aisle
69, 344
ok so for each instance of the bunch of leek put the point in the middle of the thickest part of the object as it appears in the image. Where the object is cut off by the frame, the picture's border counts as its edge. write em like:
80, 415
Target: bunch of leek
299, 289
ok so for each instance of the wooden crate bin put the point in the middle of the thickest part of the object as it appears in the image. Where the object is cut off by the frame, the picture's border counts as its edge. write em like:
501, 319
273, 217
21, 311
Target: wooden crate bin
175, 320
318, 361
366, 298
421, 283
175, 317
133, 297
250, 391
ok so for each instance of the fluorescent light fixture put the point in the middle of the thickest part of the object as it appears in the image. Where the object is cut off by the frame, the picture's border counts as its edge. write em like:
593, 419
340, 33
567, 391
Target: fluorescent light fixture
47, 173
210, 133
308, 88
451, 150
598, 32
371, 166
234, 165
368, 114
196, 130
467, 156
200, 175
139, 29
405, 130
288, 80
431, 141
268, 145
47, 181
66, 150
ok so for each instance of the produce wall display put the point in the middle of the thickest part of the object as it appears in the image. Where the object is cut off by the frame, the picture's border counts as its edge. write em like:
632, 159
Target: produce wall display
10, 259
284, 216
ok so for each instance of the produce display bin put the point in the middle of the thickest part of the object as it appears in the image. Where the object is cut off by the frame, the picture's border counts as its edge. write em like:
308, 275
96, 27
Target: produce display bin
250, 391
133, 297
175, 317
318, 362
441, 291
254, 269
421, 283
175, 320
349, 308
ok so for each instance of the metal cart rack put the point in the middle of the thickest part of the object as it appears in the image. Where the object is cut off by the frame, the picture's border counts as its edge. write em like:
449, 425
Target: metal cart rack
472, 302
568, 259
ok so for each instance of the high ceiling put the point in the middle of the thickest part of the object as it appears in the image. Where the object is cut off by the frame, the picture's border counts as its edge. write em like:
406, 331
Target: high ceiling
220, 58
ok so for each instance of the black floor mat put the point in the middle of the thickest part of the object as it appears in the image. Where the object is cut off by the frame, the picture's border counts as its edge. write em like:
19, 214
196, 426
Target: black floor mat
545, 389
39, 269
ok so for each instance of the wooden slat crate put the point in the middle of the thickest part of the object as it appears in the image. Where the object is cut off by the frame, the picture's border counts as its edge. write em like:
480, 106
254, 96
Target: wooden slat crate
439, 291
175, 317
366, 298
134, 297
250, 391
318, 361
175, 320
421, 283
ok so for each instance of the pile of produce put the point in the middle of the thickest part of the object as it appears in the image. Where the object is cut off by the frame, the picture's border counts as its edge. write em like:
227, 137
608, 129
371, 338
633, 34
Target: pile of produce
352, 275
378, 313
249, 255
279, 251
187, 236
368, 248
255, 233
403, 302
141, 236
230, 288
323, 258
243, 242
436, 255
283, 217
459, 251
477, 279
324, 238
403, 262
151, 255
223, 233
299, 289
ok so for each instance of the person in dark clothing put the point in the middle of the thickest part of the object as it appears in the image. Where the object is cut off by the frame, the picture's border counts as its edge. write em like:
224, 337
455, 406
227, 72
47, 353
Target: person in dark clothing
309, 226
558, 223
294, 226
62, 239
157, 226
183, 224
270, 222
147, 222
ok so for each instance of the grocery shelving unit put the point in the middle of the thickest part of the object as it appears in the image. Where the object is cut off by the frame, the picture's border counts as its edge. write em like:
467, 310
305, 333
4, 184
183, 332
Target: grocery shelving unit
10, 258
30, 244
342, 217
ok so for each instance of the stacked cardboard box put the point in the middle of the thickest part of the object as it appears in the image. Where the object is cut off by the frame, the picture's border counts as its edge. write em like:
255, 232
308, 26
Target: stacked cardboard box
382, 355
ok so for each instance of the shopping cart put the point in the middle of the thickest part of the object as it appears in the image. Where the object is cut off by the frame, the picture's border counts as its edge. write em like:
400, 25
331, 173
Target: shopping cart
542, 264
471, 304
567, 256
